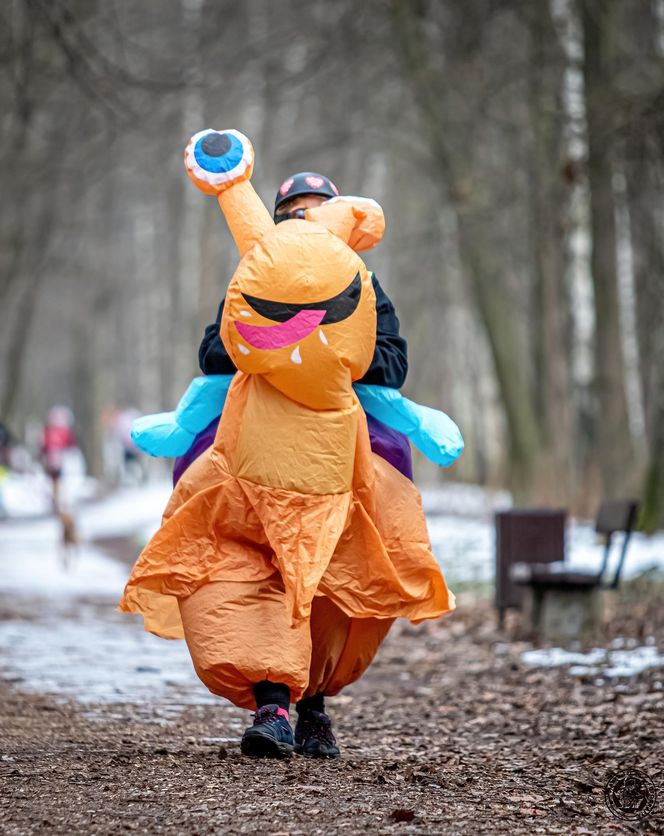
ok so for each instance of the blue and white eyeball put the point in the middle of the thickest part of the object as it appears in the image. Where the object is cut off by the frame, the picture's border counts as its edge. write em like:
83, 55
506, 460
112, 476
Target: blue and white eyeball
215, 160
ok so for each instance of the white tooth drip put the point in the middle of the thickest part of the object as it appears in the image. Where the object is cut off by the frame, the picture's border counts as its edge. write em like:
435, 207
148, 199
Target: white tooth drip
243, 348
295, 356
245, 313
323, 338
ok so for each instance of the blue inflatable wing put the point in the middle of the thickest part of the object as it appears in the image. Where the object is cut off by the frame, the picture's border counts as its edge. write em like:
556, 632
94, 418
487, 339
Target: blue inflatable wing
433, 432
172, 433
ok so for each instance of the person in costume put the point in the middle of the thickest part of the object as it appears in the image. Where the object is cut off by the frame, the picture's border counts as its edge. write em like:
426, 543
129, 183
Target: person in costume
288, 547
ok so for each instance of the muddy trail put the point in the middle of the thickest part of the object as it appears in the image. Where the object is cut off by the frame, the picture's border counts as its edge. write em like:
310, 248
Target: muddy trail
448, 732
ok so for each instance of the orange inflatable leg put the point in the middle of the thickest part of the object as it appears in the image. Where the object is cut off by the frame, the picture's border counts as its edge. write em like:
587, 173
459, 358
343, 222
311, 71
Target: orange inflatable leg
342, 647
239, 633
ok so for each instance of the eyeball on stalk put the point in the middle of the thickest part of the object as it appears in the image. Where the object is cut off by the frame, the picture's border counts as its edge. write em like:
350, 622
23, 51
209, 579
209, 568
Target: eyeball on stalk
216, 160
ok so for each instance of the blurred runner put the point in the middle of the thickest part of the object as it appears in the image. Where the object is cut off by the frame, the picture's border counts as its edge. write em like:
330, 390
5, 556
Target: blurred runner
57, 438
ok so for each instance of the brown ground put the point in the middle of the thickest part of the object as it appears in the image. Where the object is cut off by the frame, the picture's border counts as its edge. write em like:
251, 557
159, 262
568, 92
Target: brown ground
447, 733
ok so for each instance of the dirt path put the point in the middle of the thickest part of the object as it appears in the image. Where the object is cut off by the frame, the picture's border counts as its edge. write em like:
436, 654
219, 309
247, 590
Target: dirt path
448, 733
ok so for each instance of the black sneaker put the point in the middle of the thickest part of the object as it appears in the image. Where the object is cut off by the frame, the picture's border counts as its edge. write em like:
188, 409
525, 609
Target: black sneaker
270, 736
313, 736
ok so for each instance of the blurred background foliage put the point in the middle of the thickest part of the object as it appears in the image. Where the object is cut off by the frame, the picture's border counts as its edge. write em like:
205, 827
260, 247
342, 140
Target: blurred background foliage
517, 148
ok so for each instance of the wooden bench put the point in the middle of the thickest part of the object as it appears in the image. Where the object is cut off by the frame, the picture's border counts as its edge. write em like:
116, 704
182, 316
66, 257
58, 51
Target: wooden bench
525, 535
566, 604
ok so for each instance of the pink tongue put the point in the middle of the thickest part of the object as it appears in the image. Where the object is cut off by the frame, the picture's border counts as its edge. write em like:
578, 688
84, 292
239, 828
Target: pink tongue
286, 333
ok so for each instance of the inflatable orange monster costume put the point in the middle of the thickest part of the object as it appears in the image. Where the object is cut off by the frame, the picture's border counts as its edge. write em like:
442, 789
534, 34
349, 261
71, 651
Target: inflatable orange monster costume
288, 548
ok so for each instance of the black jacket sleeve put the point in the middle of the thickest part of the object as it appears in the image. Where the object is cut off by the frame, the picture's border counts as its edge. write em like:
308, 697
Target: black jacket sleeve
388, 367
212, 356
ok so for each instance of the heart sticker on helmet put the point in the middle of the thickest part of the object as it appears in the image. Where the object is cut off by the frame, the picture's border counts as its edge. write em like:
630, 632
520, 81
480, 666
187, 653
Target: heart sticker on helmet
286, 186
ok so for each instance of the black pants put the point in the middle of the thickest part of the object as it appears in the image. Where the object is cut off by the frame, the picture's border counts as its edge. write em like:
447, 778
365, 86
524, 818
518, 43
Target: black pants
276, 693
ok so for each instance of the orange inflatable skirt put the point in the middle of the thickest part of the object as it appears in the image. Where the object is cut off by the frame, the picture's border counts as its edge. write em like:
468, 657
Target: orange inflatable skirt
271, 583
288, 548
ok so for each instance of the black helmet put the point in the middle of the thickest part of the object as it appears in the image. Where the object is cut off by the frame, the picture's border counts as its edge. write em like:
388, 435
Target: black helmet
306, 182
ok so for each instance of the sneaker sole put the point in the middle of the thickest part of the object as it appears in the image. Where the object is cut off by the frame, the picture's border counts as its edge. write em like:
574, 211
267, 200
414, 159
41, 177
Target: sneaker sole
262, 746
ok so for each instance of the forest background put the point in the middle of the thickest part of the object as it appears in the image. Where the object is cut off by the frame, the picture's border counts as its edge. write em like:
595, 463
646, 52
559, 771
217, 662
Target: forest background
516, 146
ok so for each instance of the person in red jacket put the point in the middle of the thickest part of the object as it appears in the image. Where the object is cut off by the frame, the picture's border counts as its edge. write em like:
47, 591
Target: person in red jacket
58, 437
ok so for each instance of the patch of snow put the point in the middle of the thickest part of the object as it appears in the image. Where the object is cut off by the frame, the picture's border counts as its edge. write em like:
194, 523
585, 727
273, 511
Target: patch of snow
465, 549
32, 564
127, 511
632, 662
610, 663
25, 495
463, 546
75, 644
31, 554
28, 495
461, 499
553, 657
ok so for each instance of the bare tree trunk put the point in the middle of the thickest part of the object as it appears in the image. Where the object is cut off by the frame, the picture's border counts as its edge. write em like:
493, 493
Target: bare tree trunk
29, 272
478, 262
645, 201
551, 299
18, 119
613, 443
652, 516
20, 326
644, 196
642, 160
450, 145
